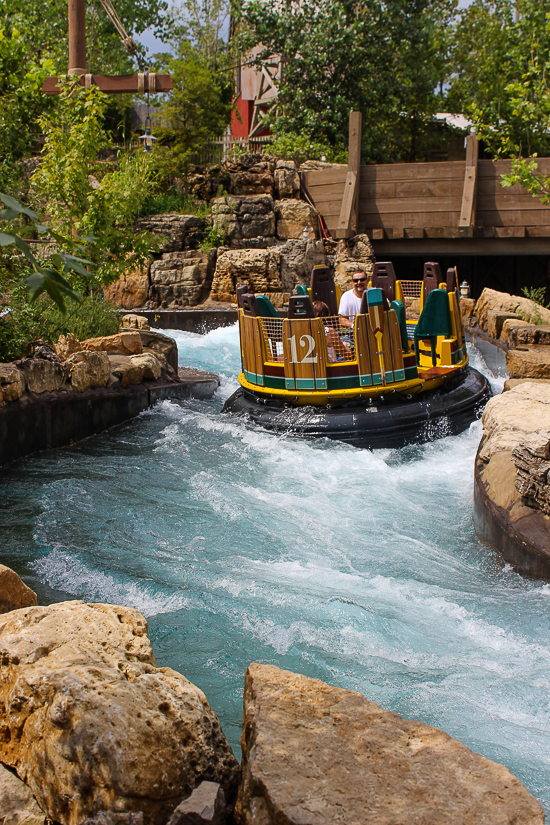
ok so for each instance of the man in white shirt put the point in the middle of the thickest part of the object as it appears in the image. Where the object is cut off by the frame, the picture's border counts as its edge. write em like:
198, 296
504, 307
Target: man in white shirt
350, 302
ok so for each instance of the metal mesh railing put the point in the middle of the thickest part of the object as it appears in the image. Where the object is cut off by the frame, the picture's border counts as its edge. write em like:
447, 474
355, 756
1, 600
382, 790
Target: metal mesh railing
339, 339
272, 329
411, 289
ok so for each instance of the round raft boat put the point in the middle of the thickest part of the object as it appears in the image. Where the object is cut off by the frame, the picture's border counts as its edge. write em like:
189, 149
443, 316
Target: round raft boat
385, 381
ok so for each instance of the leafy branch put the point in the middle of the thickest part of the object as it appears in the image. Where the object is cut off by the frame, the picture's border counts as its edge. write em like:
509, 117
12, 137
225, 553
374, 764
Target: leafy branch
48, 275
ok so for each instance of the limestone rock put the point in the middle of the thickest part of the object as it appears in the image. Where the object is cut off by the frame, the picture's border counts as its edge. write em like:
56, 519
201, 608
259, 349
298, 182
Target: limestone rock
519, 334
123, 343
502, 302
287, 179
532, 460
150, 364
315, 754
467, 306
112, 818
528, 362
14, 593
509, 417
41, 375
205, 806
123, 368
17, 804
182, 278
254, 181
257, 267
88, 369
135, 322
495, 322
181, 231
160, 345
12, 382
130, 291
90, 722
244, 218
67, 345
293, 216
298, 257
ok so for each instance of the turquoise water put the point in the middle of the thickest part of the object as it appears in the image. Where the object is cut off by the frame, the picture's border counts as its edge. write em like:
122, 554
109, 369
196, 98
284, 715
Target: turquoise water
360, 568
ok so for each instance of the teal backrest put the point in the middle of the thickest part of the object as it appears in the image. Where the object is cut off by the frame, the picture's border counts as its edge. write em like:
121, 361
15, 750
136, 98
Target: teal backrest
267, 310
399, 308
435, 320
301, 289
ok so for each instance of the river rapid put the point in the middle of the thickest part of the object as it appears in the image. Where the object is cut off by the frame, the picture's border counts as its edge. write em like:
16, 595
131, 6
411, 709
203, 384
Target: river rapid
356, 567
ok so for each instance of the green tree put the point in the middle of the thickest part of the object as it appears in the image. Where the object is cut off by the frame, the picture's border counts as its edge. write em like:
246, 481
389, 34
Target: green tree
385, 60
95, 200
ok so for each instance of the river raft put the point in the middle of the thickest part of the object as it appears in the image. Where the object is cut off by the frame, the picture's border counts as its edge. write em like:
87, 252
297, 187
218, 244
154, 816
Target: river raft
386, 381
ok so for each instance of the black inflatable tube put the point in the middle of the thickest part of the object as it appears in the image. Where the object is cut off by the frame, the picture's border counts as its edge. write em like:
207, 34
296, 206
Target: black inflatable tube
391, 421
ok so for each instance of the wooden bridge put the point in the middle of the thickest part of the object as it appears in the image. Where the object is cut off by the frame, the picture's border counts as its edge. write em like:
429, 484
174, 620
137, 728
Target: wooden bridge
448, 207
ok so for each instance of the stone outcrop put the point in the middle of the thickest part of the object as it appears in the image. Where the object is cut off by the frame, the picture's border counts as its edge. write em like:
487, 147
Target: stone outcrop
295, 219
180, 231
14, 593
67, 345
528, 362
298, 257
12, 383
252, 174
42, 375
519, 334
501, 517
163, 346
91, 724
134, 322
17, 804
181, 278
244, 220
508, 306
287, 179
206, 185
317, 754
88, 370
125, 370
131, 291
122, 343
259, 268
350, 256
113, 818
150, 364
532, 460
205, 806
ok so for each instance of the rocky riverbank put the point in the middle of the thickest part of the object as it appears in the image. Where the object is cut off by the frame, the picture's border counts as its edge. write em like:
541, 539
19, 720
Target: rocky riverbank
93, 730
60, 394
512, 488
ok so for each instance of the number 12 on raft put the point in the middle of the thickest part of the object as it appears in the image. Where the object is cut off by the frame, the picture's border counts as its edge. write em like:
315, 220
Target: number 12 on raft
305, 341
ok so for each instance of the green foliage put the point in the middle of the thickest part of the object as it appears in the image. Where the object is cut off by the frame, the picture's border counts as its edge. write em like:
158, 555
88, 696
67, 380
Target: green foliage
299, 148
213, 240
160, 203
535, 294
50, 272
97, 201
28, 321
383, 59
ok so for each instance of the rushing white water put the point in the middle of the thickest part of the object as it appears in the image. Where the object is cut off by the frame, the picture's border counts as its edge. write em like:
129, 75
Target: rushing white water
361, 568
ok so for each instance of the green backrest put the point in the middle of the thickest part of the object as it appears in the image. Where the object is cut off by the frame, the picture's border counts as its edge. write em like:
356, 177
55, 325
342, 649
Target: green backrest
436, 316
267, 310
399, 308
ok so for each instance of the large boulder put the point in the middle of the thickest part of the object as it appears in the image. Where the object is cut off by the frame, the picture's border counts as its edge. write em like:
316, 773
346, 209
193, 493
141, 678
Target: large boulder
532, 460
11, 383
259, 268
295, 219
504, 304
246, 178
298, 257
67, 345
244, 218
90, 722
41, 375
88, 370
163, 346
519, 334
14, 593
181, 231
528, 362
150, 364
321, 755
125, 370
287, 179
350, 256
17, 804
510, 416
132, 321
131, 291
123, 343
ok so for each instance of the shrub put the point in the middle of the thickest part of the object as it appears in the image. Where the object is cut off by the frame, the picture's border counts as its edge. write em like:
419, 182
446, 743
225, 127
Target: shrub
300, 148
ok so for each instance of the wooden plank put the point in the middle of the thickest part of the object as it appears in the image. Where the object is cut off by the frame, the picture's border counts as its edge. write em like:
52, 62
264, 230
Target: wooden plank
537, 231
509, 231
468, 207
346, 210
420, 219
397, 205
509, 203
526, 217
456, 318
363, 351
448, 170
319, 177
394, 334
303, 343
411, 189
259, 349
430, 246
354, 164
116, 84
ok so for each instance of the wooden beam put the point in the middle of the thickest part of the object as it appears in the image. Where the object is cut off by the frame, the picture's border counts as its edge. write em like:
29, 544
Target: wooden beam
385, 248
116, 84
468, 208
347, 223
77, 36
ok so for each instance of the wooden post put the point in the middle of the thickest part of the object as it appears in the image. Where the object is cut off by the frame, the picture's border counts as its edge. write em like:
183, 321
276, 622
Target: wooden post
77, 37
347, 223
468, 208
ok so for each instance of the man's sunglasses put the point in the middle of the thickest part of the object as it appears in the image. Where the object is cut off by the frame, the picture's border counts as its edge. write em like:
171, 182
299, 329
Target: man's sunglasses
359, 280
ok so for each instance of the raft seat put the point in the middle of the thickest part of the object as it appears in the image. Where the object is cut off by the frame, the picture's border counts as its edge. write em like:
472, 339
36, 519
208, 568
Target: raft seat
384, 278
244, 289
435, 321
430, 281
300, 306
323, 288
